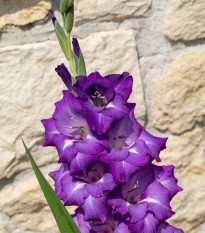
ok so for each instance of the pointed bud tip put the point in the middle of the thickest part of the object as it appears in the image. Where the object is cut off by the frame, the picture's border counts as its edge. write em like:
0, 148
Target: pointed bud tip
54, 20
59, 67
65, 75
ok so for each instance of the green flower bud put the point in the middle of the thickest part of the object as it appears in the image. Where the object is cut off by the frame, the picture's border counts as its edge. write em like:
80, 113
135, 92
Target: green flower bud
65, 4
69, 16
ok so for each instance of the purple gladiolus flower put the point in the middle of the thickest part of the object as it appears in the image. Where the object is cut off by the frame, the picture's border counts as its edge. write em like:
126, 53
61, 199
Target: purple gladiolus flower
106, 159
103, 98
65, 75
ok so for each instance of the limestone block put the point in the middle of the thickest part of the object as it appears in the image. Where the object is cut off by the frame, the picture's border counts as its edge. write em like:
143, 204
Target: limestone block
185, 20
3, 228
180, 96
30, 87
26, 203
20, 12
98, 11
184, 151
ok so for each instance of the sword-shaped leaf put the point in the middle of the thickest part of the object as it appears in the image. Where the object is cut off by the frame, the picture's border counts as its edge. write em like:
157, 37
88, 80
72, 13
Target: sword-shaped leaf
61, 215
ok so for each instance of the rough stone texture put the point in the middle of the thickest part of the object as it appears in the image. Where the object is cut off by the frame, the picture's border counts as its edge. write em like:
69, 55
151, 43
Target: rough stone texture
3, 228
98, 11
20, 12
185, 20
186, 152
201, 228
180, 96
27, 205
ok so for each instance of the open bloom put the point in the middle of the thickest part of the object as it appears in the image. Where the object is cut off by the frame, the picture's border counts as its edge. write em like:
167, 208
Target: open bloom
69, 132
103, 98
130, 147
149, 191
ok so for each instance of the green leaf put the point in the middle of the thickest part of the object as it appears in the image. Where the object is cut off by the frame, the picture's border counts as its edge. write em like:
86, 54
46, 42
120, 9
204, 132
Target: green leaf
80, 65
61, 38
61, 215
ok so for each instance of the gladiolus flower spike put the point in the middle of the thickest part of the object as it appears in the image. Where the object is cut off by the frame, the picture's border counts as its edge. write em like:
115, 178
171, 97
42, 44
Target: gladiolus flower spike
106, 159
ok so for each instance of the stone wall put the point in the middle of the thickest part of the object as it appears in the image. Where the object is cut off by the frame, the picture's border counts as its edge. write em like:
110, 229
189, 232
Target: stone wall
161, 43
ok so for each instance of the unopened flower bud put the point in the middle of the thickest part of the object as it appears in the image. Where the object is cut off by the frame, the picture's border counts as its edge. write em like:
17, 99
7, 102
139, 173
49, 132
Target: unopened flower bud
54, 20
69, 16
65, 75
76, 48
65, 4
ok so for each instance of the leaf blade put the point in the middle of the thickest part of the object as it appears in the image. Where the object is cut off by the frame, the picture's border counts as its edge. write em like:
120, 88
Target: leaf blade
61, 215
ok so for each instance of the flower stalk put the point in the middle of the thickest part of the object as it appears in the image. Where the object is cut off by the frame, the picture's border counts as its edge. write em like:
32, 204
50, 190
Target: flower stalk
70, 56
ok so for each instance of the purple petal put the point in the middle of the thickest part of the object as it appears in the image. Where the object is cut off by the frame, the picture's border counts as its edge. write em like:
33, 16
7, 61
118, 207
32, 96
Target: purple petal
139, 182
122, 170
165, 175
147, 225
76, 47
137, 212
95, 209
137, 160
90, 107
57, 176
83, 225
81, 163
117, 202
98, 189
119, 133
65, 147
140, 147
157, 198
164, 227
117, 107
114, 155
69, 117
73, 191
50, 131
95, 173
155, 144
98, 122
107, 226
122, 227
92, 144
122, 84
65, 75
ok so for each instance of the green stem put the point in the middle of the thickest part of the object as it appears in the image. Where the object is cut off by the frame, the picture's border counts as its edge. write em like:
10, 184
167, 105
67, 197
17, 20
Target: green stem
70, 56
